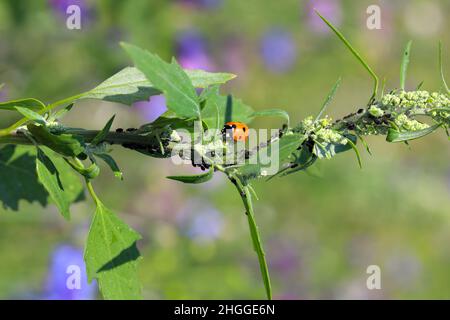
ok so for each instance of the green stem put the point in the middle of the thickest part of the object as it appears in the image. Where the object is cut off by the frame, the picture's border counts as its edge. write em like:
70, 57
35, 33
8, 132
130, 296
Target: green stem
254, 232
92, 192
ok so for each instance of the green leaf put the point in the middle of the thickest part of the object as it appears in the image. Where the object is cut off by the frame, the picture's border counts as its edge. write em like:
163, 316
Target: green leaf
31, 115
28, 103
18, 178
271, 112
358, 156
168, 78
355, 53
241, 111
111, 255
328, 99
60, 114
49, 176
101, 136
111, 163
398, 136
130, 85
194, 179
404, 65
66, 144
441, 68
204, 79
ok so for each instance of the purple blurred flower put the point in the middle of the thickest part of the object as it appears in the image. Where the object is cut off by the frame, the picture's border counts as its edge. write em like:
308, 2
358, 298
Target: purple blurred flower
201, 221
191, 51
153, 108
205, 4
64, 257
233, 57
278, 50
330, 9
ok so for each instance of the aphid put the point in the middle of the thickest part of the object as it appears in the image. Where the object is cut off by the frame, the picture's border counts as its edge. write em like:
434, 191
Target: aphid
238, 130
119, 130
351, 126
360, 111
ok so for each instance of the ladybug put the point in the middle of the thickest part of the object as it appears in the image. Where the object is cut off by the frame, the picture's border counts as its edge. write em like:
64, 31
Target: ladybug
238, 131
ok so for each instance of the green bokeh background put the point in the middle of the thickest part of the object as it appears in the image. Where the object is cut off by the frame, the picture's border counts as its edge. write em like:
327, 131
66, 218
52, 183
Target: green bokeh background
320, 231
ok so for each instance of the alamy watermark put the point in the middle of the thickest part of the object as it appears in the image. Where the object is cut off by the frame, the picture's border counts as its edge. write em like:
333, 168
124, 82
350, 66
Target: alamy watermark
373, 21
73, 21
73, 281
374, 280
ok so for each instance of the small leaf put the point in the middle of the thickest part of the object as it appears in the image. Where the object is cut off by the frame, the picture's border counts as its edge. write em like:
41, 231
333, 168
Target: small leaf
355, 53
194, 179
358, 156
49, 177
168, 78
112, 164
328, 99
60, 114
31, 115
101, 136
111, 255
404, 65
441, 69
66, 144
271, 112
397, 136
203, 79
28, 103
241, 111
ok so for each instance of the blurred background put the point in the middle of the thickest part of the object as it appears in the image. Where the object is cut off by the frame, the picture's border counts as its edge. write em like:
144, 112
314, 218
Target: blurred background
320, 231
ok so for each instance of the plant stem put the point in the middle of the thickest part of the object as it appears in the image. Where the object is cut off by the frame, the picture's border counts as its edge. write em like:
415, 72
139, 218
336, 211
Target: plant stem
254, 232
92, 192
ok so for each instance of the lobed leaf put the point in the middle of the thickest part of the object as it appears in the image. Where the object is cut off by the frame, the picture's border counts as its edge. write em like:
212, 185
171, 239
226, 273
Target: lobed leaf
111, 256
170, 79
130, 85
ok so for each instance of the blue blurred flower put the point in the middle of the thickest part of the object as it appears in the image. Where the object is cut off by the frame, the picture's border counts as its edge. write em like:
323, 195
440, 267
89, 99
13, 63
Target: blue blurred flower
56, 288
191, 51
330, 9
278, 50
153, 108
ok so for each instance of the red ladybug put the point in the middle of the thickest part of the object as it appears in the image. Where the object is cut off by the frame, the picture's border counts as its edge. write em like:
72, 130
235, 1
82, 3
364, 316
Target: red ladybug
238, 130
